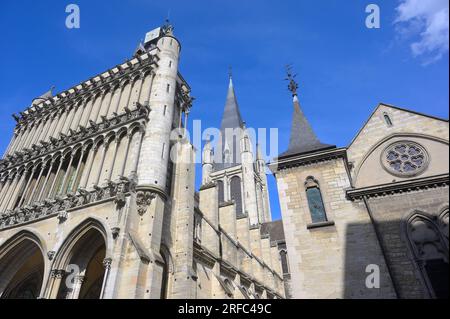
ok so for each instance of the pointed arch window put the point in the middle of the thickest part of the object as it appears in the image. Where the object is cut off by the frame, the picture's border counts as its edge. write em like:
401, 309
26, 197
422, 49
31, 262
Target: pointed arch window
315, 201
221, 191
236, 193
387, 119
429, 246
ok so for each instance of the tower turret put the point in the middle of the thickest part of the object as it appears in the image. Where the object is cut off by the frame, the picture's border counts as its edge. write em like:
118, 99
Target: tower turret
154, 160
207, 162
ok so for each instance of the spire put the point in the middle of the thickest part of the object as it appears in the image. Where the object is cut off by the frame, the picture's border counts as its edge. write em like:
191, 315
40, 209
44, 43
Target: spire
303, 139
231, 121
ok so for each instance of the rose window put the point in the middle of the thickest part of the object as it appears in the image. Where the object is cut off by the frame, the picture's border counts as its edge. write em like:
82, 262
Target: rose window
405, 158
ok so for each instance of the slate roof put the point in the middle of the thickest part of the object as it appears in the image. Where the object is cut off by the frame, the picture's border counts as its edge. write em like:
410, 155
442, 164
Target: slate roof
303, 139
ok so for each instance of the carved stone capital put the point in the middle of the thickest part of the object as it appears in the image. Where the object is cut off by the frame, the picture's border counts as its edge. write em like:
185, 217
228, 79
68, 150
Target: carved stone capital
107, 263
57, 273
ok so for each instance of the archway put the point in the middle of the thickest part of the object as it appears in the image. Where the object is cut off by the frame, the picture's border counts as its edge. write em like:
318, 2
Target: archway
83, 262
21, 268
430, 251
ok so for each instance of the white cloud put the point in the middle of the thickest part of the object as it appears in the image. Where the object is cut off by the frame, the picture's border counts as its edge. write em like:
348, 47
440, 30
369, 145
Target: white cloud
427, 20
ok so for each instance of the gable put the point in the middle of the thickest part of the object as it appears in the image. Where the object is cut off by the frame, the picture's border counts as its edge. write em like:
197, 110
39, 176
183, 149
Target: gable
376, 133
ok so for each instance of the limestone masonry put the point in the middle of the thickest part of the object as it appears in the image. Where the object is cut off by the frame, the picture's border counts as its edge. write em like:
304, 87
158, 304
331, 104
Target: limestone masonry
98, 199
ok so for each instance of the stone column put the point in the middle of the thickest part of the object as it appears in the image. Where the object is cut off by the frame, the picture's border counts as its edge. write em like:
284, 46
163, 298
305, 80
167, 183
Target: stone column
127, 150
102, 159
56, 277
66, 174
88, 167
44, 186
121, 87
116, 145
43, 167
6, 190
107, 265
78, 283
134, 166
77, 172
61, 161
19, 180
24, 193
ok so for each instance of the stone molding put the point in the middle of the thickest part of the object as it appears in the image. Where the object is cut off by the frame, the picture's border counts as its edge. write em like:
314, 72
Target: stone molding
398, 187
50, 208
20, 157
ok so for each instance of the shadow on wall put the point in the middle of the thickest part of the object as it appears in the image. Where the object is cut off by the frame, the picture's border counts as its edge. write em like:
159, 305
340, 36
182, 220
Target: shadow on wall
416, 253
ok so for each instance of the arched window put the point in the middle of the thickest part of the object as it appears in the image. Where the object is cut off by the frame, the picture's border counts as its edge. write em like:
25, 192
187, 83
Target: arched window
430, 251
221, 191
284, 261
387, 119
236, 193
315, 201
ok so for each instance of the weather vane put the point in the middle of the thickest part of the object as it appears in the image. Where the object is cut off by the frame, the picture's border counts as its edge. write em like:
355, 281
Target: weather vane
293, 85
230, 72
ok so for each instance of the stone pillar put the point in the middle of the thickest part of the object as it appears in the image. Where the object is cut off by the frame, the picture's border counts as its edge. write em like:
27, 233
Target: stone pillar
102, 160
184, 285
209, 206
36, 185
25, 189
88, 167
67, 172
18, 182
52, 188
243, 237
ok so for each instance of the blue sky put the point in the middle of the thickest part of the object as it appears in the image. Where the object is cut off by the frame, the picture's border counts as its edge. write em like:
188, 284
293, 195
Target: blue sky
344, 69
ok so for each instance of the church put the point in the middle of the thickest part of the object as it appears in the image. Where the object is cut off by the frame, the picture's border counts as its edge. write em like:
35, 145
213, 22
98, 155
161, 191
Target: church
98, 198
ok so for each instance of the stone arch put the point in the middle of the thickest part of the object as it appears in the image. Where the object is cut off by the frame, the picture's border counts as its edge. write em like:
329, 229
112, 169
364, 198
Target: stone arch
81, 261
428, 249
357, 170
22, 266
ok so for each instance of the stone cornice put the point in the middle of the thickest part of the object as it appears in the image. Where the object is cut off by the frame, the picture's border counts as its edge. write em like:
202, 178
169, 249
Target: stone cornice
398, 187
37, 151
96, 84
280, 164
60, 206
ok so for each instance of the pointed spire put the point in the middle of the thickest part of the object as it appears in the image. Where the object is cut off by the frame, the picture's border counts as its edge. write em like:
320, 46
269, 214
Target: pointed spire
303, 139
231, 120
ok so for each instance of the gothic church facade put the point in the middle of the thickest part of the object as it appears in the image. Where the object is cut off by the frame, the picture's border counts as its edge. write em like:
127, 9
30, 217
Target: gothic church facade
98, 200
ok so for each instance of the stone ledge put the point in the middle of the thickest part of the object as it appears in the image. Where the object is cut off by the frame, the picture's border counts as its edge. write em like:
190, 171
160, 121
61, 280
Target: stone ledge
320, 225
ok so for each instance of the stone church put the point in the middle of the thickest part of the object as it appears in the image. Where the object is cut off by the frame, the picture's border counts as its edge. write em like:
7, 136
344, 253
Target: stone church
369, 220
98, 196
98, 199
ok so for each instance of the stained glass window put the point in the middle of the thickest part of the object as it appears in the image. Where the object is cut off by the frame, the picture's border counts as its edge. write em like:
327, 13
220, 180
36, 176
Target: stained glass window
315, 203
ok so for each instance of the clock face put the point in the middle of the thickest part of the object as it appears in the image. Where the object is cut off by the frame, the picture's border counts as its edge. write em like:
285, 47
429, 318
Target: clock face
152, 35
